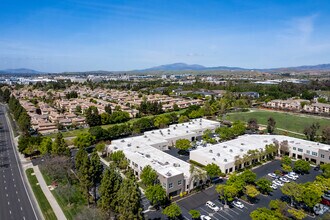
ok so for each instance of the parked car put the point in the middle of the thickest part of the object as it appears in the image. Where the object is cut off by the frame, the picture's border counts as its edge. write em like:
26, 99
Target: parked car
277, 182
283, 179
290, 177
273, 175
238, 204
205, 217
273, 186
320, 209
212, 206
294, 174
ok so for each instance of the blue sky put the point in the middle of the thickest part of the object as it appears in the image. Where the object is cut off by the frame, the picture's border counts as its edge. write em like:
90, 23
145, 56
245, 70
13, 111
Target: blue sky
81, 35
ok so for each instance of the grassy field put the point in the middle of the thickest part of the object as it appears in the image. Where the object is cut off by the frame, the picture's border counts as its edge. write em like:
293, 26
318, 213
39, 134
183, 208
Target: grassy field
288, 121
44, 205
74, 133
70, 210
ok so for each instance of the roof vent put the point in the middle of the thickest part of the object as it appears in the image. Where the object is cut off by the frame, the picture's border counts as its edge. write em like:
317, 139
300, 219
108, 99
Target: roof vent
129, 144
225, 160
137, 147
123, 140
147, 155
225, 146
230, 150
187, 126
211, 151
213, 158
168, 130
145, 136
115, 148
241, 150
168, 173
152, 132
218, 154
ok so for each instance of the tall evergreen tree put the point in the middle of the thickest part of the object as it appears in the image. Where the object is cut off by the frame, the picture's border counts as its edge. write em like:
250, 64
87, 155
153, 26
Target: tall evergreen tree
84, 175
109, 187
59, 146
96, 170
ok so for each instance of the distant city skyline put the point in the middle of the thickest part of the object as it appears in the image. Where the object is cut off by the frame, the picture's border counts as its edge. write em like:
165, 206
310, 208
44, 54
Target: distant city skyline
83, 35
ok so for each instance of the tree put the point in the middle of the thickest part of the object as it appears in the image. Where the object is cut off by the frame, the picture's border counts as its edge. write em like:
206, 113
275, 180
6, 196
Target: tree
311, 131
172, 211
286, 168
195, 214
59, 147
226, 192
238, 128
78, 109
326, 135
100, 147
156, 194
161, 121
108, 109
213, 170
83, 140
176, 107
129, 201
271, 125
286, 160
95, 170
326, 170
148, 176
263, 214
99, 133
84, 175
297, 213
117, 157
251, 191
81, 154
264, 185
312, 195
92, 116
182, 144
45, 145
293, 190
108, 189
183, 118
301, 166
248, 176
197, 175
252, 125
279, 207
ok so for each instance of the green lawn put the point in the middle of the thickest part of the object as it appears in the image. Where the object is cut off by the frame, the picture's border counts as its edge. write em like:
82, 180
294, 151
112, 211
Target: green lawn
287, 121
74, 133
70, 210
44, 205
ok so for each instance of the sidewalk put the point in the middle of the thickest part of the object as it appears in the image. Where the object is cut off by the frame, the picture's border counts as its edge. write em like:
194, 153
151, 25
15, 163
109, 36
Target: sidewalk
50, 197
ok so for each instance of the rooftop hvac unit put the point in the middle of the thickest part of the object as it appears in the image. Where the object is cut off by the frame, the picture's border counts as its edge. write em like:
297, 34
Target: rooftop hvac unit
148, 155
168, 174
218, 154
265, 141
145, 136
123, 140
168, 130
187, 131
211, 151
115, 148
137, 147
129, 144
241, 150
187, 126
213, 158
152, 132
225, 146
225, 160
230, 150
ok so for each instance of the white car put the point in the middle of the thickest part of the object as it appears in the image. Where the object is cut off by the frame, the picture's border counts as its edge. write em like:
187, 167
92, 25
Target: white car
273, 175
212, 206
273, 186
278, 183
205, 217
238, 204
294, 174
283, 179
291, 177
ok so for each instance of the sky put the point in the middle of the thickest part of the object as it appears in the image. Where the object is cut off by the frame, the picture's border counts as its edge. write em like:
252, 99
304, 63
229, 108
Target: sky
85, 35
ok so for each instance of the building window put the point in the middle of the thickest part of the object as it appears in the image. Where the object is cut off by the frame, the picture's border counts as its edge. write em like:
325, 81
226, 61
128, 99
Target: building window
314, 153
322, 155
294, 148
170, 185
179, 182
164, 185
308, 152
300, 150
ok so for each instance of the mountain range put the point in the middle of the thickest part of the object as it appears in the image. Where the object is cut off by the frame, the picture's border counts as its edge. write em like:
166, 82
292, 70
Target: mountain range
188, 67
196, 67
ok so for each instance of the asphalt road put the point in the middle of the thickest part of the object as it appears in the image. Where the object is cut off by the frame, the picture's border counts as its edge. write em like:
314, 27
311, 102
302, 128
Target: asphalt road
15, 200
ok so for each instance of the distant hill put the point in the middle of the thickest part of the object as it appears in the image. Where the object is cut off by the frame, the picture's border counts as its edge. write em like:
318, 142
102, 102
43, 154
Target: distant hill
184, 66
19, 71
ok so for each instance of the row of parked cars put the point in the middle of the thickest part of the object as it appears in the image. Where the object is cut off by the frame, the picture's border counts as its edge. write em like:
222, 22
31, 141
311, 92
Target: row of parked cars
280, 180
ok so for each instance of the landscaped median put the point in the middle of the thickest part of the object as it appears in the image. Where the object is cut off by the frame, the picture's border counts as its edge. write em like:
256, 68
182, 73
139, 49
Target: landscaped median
44, 205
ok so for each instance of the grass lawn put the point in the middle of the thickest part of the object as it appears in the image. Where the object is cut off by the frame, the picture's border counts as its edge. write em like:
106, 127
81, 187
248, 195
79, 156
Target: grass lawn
74, 133
287, 121
70, 210
44, 205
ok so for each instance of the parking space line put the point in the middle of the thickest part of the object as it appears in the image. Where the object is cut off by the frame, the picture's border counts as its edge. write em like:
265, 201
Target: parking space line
210, 214
217, 202
221, 216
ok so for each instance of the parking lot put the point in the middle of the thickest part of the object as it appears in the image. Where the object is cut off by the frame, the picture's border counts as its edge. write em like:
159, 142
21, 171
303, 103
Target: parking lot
198, 201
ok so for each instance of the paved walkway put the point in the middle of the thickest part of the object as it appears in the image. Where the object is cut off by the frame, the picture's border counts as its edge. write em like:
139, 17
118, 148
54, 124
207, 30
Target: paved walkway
50, 197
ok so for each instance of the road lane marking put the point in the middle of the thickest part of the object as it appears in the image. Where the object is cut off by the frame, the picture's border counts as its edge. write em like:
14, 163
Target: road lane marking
21, 208
8, 203
6, 195
18, 200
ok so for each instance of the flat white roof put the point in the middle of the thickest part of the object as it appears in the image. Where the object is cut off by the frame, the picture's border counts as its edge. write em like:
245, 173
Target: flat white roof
225, 152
